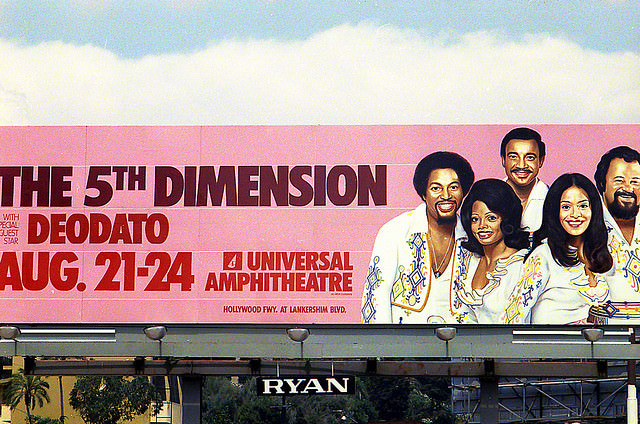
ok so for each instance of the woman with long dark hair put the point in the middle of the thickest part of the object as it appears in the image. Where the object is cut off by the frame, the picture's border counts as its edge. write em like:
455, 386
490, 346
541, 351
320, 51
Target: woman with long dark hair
495, 250
563, 277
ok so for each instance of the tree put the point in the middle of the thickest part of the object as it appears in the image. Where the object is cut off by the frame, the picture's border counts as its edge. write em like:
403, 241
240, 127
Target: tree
46, 420
32, 390
109, 400
227, 403
377, 398
423, 399
430, 400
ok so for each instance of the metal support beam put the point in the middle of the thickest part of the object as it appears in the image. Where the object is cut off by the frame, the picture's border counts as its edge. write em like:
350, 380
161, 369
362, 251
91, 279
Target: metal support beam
489, 399
324, 342
186, 367
191, 399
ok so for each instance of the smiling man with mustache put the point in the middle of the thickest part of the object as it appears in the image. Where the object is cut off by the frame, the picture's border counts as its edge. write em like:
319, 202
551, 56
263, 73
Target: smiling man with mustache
618, 180
416, 254
523, 152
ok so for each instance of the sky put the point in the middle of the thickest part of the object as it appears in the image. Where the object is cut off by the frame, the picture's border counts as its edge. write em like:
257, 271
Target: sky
199, 62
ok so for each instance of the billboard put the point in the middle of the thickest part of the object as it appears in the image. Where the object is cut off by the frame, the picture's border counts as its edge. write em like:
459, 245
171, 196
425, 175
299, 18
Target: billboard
223, 224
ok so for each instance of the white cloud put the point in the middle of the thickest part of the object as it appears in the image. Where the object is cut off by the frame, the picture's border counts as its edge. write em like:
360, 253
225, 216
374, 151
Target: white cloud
351, 74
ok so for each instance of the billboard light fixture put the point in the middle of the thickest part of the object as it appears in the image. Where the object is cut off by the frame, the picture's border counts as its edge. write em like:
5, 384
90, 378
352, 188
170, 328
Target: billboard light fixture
446, 333
592, 334
9, 332
298, 334
156, 332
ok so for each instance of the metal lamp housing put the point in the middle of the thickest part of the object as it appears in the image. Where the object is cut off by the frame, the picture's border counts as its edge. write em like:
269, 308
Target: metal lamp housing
157, 332
9, 332
298, 334
446, 333
592, 334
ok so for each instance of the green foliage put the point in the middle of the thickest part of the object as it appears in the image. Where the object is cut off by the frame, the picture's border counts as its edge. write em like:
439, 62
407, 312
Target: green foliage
32, 390
422, 399
109, 400
227, 403
46, 420
378, 398
429, 401
389, 396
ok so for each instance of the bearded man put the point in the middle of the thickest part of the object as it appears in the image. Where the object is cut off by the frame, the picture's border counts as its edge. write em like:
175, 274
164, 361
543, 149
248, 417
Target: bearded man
618, 180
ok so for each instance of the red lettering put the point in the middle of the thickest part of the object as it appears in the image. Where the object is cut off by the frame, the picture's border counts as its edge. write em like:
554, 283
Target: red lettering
312, 260
120, 231
243, 280
347, 283
99, 228
336, 261
212, 282
42, 278
334, 281
10, 271
163, 228
228, 282
57, 228
253, 261
268, 260
56, 272
80, 222
38, 229
312, 283
287, 260
324, 261
137, 219
62, 277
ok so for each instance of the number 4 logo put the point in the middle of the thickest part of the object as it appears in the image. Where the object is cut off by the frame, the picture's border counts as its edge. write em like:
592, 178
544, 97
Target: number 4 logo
232, 261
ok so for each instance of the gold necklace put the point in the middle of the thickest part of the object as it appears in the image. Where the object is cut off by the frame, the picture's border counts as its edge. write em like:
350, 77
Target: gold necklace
436, 272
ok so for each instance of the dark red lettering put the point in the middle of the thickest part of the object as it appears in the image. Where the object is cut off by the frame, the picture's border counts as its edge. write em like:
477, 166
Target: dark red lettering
214, 187
246, 185
303, 186
320, 185
350, 185
269, 185
190, 185
59, 185
8, 174
368, 185
167, 178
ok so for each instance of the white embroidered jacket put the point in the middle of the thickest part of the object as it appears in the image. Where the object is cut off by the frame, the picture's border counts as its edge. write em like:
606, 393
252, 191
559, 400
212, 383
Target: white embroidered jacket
487, 305
532, 213
549, 293
400, 287
624, 278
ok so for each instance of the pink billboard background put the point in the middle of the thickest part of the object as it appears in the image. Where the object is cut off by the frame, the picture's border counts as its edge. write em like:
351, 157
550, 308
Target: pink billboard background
204, 238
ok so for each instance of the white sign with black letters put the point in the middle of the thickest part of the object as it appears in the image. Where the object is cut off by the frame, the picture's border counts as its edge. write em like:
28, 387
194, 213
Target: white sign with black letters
307, 385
